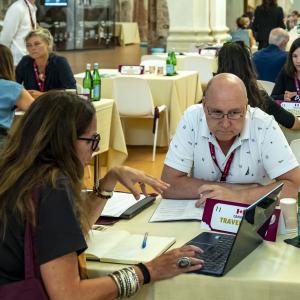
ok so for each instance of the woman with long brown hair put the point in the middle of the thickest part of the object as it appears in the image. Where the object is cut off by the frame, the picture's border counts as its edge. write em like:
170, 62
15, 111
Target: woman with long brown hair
45, 156
235, 58
11, 93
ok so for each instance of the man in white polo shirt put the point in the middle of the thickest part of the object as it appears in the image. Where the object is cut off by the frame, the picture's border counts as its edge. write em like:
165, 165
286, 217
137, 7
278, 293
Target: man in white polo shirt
19, 20
228, 150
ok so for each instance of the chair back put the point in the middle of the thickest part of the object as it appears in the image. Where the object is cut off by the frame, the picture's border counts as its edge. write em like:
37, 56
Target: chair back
267, 85
133, 96
201, 64
153, 60
295, 146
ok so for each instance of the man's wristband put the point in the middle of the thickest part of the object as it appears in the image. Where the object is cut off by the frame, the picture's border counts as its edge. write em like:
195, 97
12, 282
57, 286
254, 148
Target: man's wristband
145, 272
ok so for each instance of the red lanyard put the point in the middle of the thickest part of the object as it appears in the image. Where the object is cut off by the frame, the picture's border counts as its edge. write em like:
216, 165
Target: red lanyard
41, 83
30, 15
297, 97
225, 172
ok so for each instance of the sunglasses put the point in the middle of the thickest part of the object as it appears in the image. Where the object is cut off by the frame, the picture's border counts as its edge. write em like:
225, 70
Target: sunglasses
95, 140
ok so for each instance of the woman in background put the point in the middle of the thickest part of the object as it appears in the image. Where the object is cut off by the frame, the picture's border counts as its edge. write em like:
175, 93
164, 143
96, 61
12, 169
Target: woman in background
12, 94
235, 58
57, 136
287, 84
243, 33
267, 16
42, 70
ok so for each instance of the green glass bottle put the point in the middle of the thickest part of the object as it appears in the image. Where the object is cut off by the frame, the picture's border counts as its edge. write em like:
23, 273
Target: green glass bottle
169, 66
174, 59
87, 82
96, 83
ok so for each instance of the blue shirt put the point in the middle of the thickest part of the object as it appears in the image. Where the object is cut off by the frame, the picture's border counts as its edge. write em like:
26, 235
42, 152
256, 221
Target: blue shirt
10, 92
268, 62
241, 35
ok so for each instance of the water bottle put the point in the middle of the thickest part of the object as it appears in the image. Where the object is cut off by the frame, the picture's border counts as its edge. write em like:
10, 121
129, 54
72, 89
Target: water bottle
174, 59
96, 84
87, 82
169, 66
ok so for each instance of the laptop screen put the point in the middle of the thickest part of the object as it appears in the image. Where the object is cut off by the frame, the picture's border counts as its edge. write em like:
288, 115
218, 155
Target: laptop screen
253, 227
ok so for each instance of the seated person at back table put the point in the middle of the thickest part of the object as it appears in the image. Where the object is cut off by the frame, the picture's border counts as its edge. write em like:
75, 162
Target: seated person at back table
287, 85
270, 60
225, 136
12, 94
42, 70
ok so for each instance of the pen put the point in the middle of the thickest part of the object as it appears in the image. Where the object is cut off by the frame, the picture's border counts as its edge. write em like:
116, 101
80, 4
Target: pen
144, 243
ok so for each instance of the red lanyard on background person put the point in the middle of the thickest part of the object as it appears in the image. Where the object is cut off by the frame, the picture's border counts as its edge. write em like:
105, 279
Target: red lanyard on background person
225, 172
30, 15
297, 97
40, 82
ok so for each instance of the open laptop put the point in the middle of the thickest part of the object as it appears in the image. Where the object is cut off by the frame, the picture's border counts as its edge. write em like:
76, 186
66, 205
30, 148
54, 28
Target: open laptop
224, 251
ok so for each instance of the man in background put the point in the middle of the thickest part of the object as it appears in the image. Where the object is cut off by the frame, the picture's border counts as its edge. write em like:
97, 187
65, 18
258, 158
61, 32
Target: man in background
19, 20
270, 60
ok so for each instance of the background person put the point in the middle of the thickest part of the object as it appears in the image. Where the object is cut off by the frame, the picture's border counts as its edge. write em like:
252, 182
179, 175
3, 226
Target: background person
42, 70
235, 58
243, 33
270, 60
12, 94
57, 137
267, 16
287, 85
19, 20
225, 149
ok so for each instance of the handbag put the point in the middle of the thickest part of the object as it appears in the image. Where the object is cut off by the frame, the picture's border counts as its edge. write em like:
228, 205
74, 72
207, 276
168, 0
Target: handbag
31, 288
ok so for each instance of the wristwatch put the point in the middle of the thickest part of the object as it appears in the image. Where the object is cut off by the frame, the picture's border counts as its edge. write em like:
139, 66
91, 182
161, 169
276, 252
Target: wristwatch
103, 194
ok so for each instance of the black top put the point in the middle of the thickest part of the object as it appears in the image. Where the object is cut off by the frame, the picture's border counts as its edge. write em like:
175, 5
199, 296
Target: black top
265, 21
58, 73
58, 233
283, 83
282, 116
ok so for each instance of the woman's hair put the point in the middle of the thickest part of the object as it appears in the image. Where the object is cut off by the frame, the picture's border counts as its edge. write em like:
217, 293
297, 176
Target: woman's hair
43, 33
241, 22
234, 57
7, 70
289, 65
40, 148
266, 4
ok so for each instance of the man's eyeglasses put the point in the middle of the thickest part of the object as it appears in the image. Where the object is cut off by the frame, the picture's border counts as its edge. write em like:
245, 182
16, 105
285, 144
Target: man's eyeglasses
95, 140
232, 115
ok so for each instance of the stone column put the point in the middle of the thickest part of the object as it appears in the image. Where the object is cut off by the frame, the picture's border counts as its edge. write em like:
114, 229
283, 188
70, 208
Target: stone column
189, 24
218, 20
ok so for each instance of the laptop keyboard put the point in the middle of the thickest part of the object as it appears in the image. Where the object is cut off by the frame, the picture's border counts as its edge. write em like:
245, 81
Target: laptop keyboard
215, 256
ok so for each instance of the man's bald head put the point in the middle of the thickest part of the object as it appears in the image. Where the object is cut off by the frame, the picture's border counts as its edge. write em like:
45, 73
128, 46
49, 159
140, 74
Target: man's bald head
279, 37
224, 84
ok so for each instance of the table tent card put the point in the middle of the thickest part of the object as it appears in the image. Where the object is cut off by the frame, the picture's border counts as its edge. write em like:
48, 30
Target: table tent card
225, 216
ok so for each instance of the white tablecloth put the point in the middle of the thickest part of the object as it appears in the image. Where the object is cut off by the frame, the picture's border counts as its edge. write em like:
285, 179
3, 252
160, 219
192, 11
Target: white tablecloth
271, 272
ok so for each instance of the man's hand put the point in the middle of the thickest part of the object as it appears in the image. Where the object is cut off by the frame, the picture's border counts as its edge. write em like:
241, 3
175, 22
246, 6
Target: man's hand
217, 192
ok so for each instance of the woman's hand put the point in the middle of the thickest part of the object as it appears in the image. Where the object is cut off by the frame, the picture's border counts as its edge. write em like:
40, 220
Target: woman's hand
165, 266
129, 177
289, 95
35, 93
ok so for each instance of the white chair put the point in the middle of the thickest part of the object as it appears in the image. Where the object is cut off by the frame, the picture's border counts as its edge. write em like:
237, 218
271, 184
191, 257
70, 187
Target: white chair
153, 60
267, 85
295, 146
134, 100
201, 64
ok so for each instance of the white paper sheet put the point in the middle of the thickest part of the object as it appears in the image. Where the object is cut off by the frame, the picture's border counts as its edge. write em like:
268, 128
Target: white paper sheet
119, 203
172, 210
